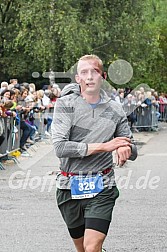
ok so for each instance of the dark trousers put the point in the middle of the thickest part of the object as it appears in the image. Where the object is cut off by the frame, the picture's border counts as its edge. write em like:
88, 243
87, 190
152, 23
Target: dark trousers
27, 132
49, 122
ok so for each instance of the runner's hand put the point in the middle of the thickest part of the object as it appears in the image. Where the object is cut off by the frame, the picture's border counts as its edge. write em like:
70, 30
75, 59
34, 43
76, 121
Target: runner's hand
122, 155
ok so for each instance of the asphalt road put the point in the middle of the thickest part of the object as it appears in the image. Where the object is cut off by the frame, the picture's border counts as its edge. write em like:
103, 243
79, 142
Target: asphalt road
30, 220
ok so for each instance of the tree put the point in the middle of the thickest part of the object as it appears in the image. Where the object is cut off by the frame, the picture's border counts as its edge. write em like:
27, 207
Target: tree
40, 36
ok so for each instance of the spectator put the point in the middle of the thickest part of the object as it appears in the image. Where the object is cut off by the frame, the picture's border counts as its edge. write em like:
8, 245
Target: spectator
28, 131
15, 83
120, 97
4, 86
113, 94
5, 95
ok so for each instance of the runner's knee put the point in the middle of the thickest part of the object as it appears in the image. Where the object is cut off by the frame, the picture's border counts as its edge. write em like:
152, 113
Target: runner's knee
92, 247
93, 240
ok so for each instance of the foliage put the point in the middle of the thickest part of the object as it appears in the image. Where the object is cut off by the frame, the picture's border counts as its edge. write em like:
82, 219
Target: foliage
38, 36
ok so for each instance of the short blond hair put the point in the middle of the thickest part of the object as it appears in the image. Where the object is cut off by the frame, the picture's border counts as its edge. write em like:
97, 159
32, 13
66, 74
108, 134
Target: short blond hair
92, 57
13, 80
32, 85
40, 93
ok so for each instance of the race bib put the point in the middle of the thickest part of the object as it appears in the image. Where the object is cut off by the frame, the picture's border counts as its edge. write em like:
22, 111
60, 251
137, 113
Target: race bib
86, 186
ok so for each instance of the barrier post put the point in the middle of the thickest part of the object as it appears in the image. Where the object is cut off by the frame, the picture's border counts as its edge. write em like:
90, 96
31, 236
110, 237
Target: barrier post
9, 144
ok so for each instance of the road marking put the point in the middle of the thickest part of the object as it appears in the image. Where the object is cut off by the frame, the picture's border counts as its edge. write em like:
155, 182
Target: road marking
156, 154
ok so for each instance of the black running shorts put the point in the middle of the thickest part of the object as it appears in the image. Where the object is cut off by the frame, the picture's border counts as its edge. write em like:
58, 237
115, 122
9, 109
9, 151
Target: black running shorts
94, 213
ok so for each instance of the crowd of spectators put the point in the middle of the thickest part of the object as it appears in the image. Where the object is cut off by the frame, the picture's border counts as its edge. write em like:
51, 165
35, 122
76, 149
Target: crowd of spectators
141, 103
23, 101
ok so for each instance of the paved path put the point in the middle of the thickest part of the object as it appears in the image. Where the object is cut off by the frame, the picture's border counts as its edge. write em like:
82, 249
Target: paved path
30, 220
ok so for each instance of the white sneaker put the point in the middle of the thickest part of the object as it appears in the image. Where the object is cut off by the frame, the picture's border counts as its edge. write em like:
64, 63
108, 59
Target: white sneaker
47, 133
25, 154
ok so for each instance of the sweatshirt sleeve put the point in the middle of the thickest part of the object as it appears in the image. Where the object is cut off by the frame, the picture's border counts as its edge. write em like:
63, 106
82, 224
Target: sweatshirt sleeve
123, 130
61, 127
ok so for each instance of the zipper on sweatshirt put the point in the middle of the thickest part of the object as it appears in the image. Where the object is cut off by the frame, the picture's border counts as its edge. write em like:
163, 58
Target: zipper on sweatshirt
93, 113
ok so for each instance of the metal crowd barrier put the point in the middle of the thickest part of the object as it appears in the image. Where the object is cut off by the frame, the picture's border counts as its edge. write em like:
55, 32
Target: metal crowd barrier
40, 121
11, 142
163, 112
147, 117
12, 135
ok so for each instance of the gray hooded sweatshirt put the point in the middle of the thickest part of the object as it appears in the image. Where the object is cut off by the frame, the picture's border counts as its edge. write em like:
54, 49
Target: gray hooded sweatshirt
76, 124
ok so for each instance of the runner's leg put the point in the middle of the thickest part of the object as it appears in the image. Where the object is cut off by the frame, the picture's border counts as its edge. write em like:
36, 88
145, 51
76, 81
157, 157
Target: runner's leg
93, 240
77, 234
79, 244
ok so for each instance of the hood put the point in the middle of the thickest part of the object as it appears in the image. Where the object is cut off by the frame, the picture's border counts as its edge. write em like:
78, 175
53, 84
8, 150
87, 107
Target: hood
71, 88
75, 88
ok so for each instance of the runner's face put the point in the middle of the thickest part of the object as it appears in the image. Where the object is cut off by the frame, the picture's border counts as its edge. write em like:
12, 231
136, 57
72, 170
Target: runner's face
89, 76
